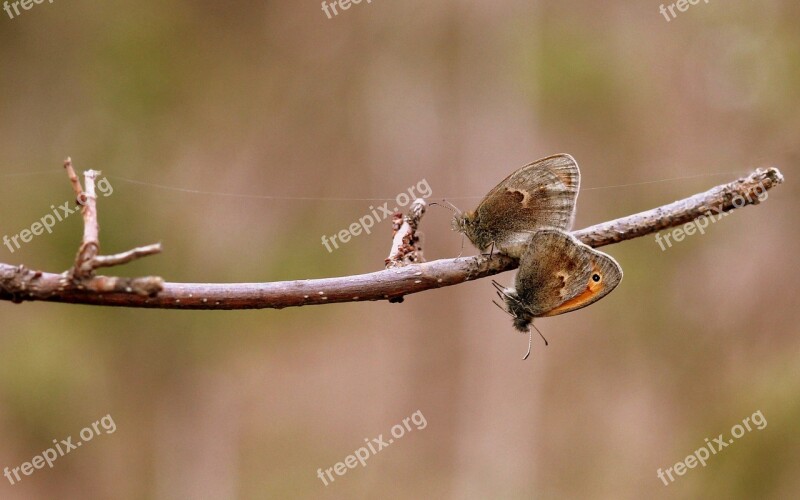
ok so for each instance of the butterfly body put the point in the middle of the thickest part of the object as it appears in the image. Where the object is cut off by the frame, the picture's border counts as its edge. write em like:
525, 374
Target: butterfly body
540, 194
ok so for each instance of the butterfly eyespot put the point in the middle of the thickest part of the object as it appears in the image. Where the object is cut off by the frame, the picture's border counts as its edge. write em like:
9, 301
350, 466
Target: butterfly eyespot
596, 278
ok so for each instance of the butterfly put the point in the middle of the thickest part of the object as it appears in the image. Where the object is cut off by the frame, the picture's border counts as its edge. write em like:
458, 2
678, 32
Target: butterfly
540, 194
557, 274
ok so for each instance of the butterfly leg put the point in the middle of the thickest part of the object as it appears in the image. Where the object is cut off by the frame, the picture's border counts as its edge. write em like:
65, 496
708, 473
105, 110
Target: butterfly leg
491, 252
501, 292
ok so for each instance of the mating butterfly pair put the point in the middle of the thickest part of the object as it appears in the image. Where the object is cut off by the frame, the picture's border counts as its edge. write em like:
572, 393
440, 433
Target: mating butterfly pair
528, 216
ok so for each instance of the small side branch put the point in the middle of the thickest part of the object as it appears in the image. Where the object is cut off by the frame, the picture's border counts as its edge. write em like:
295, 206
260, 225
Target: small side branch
18, 283
74, 181
90, 245
82, 275
125, 257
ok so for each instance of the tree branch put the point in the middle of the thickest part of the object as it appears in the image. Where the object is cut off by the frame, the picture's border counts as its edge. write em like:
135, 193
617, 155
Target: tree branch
18, 283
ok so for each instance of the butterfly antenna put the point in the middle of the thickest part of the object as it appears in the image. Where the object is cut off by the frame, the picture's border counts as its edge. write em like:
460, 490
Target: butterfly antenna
455, 208
530, 342
449, 206
540, 334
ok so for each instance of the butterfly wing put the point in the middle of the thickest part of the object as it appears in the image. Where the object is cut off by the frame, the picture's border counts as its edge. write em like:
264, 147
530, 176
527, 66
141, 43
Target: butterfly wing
541, 194
558, 274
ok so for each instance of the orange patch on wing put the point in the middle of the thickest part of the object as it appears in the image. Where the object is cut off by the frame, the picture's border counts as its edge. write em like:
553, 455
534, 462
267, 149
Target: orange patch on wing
581, 300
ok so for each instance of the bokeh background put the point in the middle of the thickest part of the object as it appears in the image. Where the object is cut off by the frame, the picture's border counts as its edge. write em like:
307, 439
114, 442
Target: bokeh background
273, 99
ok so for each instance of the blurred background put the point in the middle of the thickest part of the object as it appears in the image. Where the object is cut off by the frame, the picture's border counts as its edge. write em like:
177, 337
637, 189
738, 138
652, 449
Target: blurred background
276, 99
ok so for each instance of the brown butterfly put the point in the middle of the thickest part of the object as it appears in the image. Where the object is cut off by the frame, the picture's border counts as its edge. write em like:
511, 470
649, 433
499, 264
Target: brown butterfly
540, 194
557, 274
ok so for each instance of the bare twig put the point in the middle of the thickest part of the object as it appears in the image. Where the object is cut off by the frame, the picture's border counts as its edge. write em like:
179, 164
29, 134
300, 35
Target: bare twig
125, 257
21, 284
90, 245
74, 181
82, 275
